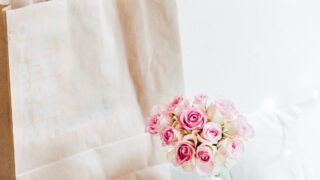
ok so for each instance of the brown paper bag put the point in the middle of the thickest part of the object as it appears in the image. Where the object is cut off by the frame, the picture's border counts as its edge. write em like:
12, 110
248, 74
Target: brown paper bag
83, 77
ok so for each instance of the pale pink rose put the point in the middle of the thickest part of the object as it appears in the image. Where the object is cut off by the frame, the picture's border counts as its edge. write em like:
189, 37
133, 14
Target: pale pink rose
231, 148
201, 99
214, 115
211, 112
165, 115
181, 107
205, 153
168, 136
154, 124
204, 159
192, 118
211, 133
183, 154
175, 103
239, 128
225, 107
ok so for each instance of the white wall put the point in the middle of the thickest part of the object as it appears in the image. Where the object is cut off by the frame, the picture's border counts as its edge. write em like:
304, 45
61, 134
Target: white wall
261, 54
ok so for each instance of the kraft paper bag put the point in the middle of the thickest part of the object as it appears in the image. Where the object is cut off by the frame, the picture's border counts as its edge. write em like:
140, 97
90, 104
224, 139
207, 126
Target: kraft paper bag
84, 75
22, 3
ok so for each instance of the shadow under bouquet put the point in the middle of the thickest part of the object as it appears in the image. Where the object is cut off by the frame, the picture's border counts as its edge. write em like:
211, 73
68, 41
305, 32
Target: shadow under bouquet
200, 134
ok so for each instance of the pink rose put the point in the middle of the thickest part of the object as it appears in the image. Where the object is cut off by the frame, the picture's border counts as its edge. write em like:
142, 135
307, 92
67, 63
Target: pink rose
174, 103
211, 133
192, 118
231, 148
211, 113
204, 153
204, 159
239, 128
168, 136
200, 102
225, 107
201, 98
154, 124
184, 153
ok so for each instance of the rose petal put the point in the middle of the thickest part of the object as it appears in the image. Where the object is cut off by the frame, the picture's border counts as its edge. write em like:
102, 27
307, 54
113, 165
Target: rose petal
188, 167
171, 157
191, 137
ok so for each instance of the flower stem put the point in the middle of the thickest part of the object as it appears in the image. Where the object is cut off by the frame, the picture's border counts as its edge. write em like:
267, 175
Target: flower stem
225, 174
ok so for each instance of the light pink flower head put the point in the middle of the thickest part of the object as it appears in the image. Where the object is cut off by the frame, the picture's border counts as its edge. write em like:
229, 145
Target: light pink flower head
175, 103
192, 118
204, 159
231, 148
201, 99
168, 136
154, 124
183, 154
225, 107
211, 133
239, 128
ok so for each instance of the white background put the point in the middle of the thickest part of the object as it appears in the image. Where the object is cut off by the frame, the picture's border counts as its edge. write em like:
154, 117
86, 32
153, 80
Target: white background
261, 54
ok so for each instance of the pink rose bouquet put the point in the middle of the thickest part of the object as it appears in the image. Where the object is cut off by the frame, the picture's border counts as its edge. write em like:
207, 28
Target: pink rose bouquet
202, 135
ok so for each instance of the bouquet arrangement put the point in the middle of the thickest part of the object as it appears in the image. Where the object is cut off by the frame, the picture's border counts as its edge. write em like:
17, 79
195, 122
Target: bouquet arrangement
200, 134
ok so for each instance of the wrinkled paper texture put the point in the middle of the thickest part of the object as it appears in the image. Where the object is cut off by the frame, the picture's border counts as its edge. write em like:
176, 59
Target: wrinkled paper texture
84, 75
